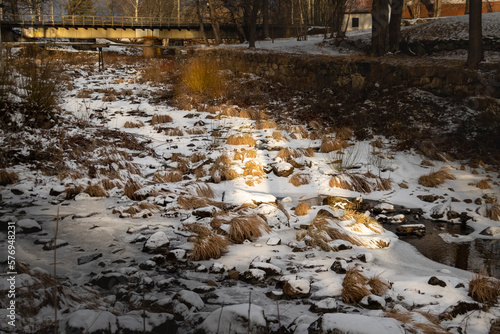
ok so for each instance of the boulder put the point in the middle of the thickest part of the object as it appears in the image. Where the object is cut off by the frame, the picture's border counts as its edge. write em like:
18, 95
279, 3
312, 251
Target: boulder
436, 281
157, 243
283, 169
190, 299
297, 288
109, 281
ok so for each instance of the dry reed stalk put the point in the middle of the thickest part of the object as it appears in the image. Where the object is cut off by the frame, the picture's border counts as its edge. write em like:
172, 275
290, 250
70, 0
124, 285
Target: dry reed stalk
241, 139
131, 125
96, 190
302, 209
7, 178
435, 179
300, 179
160, 119
247, 227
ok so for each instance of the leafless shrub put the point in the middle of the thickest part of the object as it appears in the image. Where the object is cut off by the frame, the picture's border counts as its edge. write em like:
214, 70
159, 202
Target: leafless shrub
247, 227
131, 125
161, 119
241, 139
7, 178
484, 289
435, 179
302, 209
96, 190
299, 179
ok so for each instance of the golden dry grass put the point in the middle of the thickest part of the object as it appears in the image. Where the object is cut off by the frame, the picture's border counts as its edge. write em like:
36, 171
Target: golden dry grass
108, 184
241, 139
278, 136
109, 98
354, 287
197, 157
221, 169
330, 144
344, 133
299, 179
253, 168
7, 178
287, 154
167, 177
160, 119
135, 209
203, 77
207, 245
362, 218
203, 190
298, 132
484, 289
483, 184
377, 285
96, 190
302, 209
131, 125
247, 227
353, 182
72, 191
435, 179
416, 327
266, 124
249, 113
245, 154
197, 130
384, 184
308, 152
130, 190
191, 202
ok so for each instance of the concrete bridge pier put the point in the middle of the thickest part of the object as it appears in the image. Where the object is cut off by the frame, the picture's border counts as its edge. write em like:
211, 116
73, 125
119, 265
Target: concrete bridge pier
151, 51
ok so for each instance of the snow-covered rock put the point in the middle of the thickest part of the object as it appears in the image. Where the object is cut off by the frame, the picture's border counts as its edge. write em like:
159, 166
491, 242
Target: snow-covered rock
157, 243
384, 208
190, 299
373, 302
297, 288
133, 322
354, 324
234, 320
492, 231
89, 321
28, 226
283, 169
269, 268
276, 218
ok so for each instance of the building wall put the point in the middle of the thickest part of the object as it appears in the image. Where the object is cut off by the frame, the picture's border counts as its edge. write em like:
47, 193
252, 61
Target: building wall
364, 21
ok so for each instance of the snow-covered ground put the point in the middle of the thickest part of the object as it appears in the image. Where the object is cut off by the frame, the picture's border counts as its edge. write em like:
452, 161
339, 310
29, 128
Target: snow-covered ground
121, 269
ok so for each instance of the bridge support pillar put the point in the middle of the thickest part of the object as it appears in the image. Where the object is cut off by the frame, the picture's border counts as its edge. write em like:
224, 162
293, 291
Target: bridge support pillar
151, 52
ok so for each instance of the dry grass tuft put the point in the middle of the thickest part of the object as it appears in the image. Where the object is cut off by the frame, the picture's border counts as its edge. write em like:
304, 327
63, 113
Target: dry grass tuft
203, 190
354, 287
308, 152
221, 169
108, 184
302, 209
287, 154
493, 211
362, 218
353, 182
300, 179
265, 124
241, 139
72, 191
131, 191
484, 289
298, 132
247, 227
167, 177
253, 168
96, 190
377, 285
249, 113
278, 136
435, 179
384, 184
197, 130
160, 119
174, 132
427, 163
197, 157
483, 184
344, 133
131, 125
191, 202
330, 144
212, 246
7, 178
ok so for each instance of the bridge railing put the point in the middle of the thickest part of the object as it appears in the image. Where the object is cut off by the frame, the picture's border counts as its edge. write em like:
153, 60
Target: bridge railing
96, 21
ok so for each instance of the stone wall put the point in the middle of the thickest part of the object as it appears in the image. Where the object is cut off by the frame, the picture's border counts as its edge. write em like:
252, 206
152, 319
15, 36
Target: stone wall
448, 78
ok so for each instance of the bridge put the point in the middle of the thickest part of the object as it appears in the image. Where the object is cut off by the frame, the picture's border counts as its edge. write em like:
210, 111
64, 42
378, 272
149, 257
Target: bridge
112, 27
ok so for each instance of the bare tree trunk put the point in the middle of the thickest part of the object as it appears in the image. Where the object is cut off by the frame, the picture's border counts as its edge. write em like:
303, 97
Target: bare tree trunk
200, 19
239, 28
215, 23
253, 23
380, 20
475, 54
437, 8
395, 25
265, 18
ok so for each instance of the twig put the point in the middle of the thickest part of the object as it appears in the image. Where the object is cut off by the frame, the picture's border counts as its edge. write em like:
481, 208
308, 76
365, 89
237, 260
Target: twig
55, 271
220, 316
249, 307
